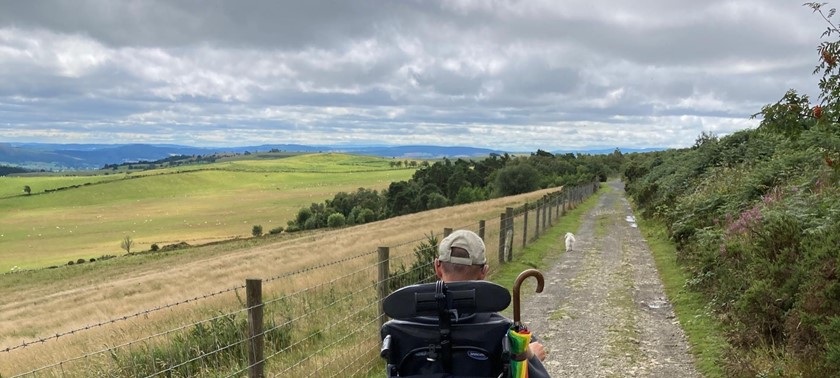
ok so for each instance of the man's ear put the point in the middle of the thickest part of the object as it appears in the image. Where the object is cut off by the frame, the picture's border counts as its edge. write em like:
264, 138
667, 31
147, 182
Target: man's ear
438, 269
484, 270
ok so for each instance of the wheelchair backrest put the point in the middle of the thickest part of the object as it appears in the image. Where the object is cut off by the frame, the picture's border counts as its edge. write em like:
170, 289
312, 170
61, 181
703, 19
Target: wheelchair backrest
443, 330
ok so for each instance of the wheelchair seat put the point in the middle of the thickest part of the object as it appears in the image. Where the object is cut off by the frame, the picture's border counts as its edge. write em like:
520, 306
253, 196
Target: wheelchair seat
447, 330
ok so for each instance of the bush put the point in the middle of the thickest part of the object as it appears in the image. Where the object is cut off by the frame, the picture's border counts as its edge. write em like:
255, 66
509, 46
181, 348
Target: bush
80, 261
310, 224
436, 201
303, 215
214, 345
421, 269
335, 220
172, 247
469, 194
257, 230
71, 262
275, 231
516, 179
365, 216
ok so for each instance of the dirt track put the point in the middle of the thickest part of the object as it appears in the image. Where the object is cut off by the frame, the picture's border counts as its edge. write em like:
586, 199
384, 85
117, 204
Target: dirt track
603, 312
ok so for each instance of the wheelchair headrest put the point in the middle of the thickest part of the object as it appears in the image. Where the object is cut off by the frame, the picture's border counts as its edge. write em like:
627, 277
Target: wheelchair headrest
465, 297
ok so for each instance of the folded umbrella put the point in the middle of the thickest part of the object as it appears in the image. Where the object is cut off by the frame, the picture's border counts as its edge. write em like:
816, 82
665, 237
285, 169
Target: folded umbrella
519, 335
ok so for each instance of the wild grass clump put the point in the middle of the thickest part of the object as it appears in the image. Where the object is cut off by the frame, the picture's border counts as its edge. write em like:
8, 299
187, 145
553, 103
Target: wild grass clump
216, 345
421, 270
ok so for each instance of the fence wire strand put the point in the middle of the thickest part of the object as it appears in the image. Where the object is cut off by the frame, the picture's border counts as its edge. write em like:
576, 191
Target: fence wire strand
119, 319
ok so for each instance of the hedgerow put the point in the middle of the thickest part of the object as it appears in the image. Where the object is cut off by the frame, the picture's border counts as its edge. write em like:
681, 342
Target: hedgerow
756, 218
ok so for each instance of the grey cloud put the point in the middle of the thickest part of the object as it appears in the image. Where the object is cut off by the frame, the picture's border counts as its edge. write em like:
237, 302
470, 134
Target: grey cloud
408, 71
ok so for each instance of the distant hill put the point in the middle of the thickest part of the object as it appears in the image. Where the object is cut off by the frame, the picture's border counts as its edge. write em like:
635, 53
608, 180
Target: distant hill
603, 151
58, 157
94, 156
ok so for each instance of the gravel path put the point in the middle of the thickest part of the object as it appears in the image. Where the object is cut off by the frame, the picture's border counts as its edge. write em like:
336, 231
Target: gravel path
603, 312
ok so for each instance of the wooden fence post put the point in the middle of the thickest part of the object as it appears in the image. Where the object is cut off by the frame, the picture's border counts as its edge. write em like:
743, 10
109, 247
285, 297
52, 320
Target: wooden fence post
256, 344
544, 208
481, 229
525, 226
549, 210
565, 202
382, 283
509, 233
502, 228
537, 220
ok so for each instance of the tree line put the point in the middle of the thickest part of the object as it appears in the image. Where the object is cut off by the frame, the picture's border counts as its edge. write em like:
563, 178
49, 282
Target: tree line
6, 170
453, 182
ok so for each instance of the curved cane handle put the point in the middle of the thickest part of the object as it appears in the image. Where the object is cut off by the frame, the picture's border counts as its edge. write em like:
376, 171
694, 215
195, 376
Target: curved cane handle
522, 276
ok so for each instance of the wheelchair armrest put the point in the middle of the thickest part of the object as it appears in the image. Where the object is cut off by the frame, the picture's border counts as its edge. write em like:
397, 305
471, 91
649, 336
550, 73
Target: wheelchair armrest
385, 352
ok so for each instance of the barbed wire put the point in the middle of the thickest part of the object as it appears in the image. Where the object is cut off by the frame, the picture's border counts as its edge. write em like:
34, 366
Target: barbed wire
283, 350
171, 305
130, 343
336, 342
319, 266
298, 363
329, 326
119, 319
369, 362
312, 288
202, 356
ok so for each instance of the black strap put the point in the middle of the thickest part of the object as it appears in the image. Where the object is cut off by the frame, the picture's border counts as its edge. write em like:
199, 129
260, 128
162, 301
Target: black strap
445, 326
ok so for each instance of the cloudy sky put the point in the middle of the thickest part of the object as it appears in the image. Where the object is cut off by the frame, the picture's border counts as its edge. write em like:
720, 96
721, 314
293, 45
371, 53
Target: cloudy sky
509, 75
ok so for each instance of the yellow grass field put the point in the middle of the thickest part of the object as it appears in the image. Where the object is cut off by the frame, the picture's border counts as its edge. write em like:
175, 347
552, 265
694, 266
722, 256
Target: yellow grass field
197, 205
35, 307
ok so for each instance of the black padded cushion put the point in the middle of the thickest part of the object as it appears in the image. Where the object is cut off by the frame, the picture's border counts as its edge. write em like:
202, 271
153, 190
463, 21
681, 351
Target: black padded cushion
465, 297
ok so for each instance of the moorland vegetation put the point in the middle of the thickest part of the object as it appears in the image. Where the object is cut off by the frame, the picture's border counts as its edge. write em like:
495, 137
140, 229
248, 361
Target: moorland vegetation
756, 219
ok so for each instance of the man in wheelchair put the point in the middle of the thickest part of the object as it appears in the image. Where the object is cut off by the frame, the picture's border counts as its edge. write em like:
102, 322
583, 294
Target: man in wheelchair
451, 328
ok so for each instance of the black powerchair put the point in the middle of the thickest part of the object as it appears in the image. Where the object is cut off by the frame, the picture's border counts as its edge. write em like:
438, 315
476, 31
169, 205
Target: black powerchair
447, 330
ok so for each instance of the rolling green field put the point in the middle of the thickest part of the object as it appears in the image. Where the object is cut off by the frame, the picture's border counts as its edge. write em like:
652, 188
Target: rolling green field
13, 186
195, 204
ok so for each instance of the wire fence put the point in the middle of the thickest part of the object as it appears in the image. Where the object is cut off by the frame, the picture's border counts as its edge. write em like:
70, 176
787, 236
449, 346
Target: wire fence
319, 321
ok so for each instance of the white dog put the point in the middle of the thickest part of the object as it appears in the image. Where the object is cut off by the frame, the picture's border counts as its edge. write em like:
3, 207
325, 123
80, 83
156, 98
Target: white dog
570, 241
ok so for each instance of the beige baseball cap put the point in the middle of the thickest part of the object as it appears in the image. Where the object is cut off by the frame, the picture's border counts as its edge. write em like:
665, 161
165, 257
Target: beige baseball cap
467, 240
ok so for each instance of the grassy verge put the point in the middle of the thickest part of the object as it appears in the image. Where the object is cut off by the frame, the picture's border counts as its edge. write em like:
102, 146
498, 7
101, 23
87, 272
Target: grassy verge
705, 333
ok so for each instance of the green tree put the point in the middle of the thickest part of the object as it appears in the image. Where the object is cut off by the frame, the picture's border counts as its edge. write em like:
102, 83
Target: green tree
516, 179
302, 216
335, 220
436, 201
27, 190
365, 215
257, 230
